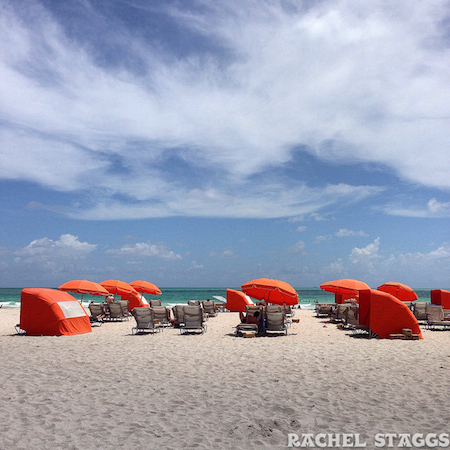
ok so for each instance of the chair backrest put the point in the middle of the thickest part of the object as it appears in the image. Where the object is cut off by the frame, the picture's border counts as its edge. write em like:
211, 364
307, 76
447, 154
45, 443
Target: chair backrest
193, 302
178, 313
155, 303
161, 313
251, 309
209, 306
144, 317
420, 310
96, 309
274, 308
125, 308
351, 315
115, 310
340, 310
275, 321
435, 313
193, 316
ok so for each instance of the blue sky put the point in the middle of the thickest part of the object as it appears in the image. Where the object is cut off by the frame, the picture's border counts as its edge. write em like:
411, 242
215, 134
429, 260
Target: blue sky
203, 143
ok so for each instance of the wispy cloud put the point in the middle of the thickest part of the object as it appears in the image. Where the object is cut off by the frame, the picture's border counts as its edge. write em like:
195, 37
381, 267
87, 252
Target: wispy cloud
344, 232
146, 250
344, 82
433, 209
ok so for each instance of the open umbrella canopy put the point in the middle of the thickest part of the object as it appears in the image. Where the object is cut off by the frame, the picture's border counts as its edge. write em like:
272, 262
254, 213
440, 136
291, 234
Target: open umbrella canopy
145, 287
83, 287
118, 287
271, 291
344, 286
398, 290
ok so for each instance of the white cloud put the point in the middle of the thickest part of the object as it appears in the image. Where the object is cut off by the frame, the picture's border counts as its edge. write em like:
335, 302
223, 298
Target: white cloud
228, 253
45, 249
297, 249
322, 238
433, 209
196, 266
146, 250
300, 229
347, 82
366, 255
344, 232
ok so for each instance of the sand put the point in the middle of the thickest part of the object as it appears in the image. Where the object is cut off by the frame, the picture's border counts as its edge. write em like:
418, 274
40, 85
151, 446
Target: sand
109, 389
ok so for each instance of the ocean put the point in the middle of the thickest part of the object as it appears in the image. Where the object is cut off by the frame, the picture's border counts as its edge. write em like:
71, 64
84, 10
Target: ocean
10, 297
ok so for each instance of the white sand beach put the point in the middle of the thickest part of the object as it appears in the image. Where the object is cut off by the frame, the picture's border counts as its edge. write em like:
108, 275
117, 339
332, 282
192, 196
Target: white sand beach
109, 389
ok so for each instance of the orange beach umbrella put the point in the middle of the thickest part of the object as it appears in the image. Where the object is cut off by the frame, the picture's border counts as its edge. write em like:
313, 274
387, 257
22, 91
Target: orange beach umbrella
118, 287
271, 291
344, 286
83, 287
145, 287
398, 290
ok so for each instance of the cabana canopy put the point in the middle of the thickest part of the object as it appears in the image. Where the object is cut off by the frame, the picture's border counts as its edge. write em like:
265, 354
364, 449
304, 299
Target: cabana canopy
384, 314
399, 290
440, 297
237, 301
50, 312
135, 301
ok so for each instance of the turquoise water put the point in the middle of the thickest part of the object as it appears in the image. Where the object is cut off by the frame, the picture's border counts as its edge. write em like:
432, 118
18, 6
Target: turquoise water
307, 296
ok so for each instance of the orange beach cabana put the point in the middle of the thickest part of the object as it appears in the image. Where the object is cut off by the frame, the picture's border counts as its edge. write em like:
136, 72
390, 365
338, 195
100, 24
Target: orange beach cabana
384, 314
237, 301
440, 297
49, 312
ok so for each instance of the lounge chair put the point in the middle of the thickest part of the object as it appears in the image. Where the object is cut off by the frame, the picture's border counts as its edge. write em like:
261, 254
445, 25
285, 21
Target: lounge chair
435, 317
419, 310
116, 312
125, 308
155, 303
162, 314
144, 320
275, 321
209, 308
324, 309
193, 302
251, 309
246, 327
288, 310
97, 313
338, 314
178, 315
193, 320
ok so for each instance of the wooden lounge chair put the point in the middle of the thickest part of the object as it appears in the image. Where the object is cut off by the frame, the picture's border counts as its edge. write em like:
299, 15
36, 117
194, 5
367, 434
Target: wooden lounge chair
275, 322
209, 308
435, 317
144, 320
193, 320
97, 313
